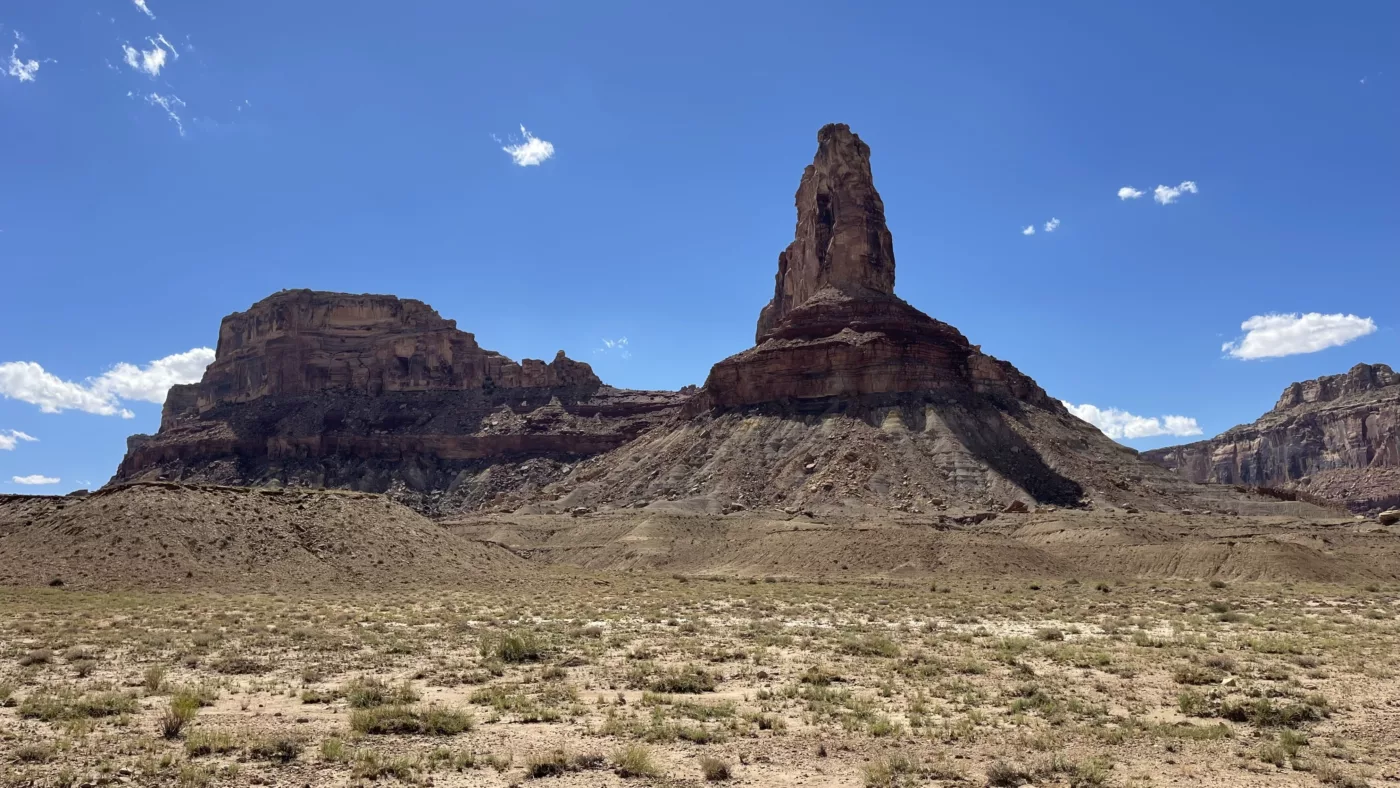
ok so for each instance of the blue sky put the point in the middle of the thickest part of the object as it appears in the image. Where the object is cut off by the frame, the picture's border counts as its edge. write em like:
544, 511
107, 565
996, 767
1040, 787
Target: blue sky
358, 147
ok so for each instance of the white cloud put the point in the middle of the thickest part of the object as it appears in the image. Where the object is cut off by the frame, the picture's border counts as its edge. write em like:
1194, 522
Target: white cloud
1167, 195
1052, 225
23, 70
618, 346
26, 381
169, 104
160, 39
9, 439
141, 4
35, 478
1120, 424
1030, 230
151, 382
1129, 193
1274, 336
531, 152
150, 61
29, 382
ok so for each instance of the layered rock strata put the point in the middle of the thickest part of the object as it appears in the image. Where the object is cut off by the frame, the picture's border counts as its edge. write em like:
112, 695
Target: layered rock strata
377, 393
852, 395
1336, 438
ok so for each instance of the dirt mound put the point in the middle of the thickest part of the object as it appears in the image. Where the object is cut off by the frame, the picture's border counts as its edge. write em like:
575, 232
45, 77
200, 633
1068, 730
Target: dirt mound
1060, 544
913, 453
161, 535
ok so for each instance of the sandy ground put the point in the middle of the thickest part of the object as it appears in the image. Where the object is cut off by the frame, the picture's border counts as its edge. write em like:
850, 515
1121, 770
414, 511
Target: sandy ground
578, 677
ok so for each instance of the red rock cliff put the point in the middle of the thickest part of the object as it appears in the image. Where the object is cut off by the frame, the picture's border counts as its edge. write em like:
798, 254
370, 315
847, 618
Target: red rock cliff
372, 392
302, 341
1336, 437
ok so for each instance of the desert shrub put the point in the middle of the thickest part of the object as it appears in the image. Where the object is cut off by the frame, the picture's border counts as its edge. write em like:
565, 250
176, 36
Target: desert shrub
547, 764
714, 769
38, 656
870, 645
370, 765
687, 680
275, 748
1195, 675
68, 706
635, 760
35, 752
892, 771
1264, 713
433, 721
1004, 774
177, 714
334, 750
1193, 704
514, 647
1221, 662
819, 676
153, 678
203, 742
364, 693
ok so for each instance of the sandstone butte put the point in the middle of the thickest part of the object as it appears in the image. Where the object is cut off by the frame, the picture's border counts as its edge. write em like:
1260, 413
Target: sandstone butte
850, 396
1335, 439
377, 393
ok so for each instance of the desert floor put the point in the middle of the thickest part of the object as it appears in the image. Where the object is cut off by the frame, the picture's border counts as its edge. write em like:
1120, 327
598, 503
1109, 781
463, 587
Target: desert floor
563, 676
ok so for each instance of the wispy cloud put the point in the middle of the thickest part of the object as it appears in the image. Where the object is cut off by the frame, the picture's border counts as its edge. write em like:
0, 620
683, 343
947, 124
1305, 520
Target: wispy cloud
1129, 193
145, 9
150, 61
530, 152
9, 439
29, 382
35, 478
1275, 336
23, 70
1120, 424
614, 346
169, 104
1029, 230
1166, 195
1052, 225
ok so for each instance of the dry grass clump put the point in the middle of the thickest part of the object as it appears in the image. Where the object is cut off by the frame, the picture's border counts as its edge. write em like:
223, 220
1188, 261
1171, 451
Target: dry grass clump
432, 721
635, 760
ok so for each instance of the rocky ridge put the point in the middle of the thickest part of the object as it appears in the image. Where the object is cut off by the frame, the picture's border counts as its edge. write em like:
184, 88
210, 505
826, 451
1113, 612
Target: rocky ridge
1335, 438
381, 394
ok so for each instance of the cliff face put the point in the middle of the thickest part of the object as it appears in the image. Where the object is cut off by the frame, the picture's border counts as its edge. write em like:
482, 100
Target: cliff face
377, 393
303, 342
1336, 437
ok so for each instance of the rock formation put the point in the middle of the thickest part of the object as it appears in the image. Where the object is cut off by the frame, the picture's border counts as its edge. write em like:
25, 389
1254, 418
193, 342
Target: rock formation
1336, 438
378, 393
853, 395
835, 328
841, 241
850, 396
